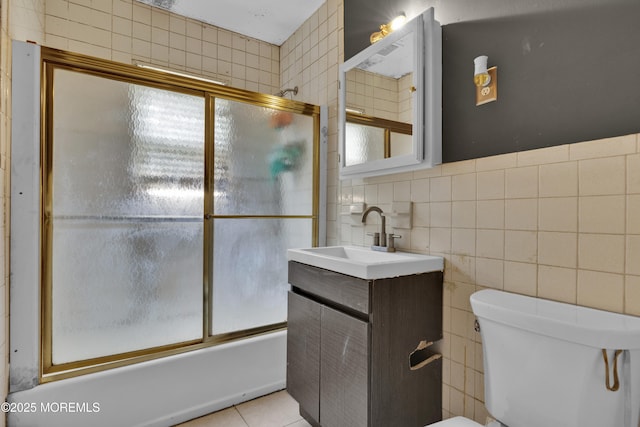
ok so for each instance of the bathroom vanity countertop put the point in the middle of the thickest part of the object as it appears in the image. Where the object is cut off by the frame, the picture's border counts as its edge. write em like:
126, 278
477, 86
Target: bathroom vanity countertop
366, 263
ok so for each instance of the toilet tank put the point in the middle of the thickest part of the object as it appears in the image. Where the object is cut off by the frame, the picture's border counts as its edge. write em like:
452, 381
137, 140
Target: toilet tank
543, 362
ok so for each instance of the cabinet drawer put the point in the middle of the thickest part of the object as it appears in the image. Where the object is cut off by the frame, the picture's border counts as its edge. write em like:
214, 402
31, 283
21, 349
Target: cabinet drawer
348, 291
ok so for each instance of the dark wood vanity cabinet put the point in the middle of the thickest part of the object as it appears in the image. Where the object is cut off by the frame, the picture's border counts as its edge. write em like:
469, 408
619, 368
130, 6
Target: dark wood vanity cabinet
357, 350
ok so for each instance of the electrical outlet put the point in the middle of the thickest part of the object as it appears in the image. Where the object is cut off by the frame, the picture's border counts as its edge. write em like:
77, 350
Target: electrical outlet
488, 93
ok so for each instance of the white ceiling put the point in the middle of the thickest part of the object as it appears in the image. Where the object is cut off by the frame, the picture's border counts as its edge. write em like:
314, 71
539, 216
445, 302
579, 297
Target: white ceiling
272, 21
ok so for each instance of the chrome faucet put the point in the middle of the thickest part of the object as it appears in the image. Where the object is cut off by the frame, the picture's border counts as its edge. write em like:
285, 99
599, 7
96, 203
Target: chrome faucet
380, 239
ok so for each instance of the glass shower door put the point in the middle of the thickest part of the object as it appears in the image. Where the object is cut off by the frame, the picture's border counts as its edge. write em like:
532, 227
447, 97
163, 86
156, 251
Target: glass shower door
124, 224
262, 205
167, 209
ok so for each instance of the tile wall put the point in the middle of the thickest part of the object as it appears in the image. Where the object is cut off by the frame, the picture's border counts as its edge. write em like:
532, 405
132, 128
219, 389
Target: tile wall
309, 59
561, 223
380, 96
128, 31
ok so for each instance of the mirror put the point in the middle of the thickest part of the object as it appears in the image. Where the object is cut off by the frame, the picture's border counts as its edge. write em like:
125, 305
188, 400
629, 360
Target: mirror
390, 101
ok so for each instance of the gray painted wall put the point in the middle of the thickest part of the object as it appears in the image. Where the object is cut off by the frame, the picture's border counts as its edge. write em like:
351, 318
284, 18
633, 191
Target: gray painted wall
568, 71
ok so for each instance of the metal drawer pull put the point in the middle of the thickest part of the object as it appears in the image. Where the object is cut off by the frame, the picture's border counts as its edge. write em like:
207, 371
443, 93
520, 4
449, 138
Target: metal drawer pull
421, 356
616, 380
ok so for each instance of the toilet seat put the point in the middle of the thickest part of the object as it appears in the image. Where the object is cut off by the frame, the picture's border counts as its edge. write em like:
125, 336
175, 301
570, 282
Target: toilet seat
456, 422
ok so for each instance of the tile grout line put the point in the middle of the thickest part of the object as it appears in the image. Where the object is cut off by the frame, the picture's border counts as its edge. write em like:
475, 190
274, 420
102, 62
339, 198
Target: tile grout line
246, 423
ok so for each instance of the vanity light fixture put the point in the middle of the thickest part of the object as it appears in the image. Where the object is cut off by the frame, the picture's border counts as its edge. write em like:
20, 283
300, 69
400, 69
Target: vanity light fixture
485, 80
388, 28
178, 73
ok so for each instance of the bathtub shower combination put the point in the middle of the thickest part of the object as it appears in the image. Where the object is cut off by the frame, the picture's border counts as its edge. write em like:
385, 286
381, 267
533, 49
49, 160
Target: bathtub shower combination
160, 217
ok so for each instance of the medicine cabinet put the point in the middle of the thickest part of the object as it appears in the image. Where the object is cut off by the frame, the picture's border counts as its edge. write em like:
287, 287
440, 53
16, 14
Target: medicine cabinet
390, 102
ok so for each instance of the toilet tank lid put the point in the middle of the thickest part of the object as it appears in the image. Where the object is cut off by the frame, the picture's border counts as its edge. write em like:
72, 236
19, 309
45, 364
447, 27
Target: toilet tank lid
581, 325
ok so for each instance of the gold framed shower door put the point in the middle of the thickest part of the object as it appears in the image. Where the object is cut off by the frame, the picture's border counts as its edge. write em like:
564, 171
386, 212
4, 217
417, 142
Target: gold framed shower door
51, 60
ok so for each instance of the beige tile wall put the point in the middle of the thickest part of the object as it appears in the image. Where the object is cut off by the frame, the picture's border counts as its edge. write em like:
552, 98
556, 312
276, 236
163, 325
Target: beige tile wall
379, 96
561, 223
309, 59
128, 31
26, 20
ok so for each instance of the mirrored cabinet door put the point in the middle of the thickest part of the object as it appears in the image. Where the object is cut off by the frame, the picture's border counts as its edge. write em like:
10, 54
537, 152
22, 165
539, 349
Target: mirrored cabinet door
390, 102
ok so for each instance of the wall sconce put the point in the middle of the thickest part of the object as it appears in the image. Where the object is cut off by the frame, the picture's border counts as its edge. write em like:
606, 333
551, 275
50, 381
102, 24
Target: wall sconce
486, 81
386, 29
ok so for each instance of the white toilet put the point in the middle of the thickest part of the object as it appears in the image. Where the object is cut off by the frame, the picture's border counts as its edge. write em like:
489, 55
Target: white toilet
544, 365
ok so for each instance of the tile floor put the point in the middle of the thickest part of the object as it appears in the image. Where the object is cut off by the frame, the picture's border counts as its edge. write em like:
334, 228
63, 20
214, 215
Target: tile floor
274, 410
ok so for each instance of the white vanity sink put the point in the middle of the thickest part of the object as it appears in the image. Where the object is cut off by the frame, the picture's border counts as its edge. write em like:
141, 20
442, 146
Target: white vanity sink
366, 263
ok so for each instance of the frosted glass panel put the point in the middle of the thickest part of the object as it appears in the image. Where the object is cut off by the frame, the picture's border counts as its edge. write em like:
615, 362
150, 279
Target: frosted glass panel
127, 209
120, 287
126, 149
365, 143
263, 161
250, 270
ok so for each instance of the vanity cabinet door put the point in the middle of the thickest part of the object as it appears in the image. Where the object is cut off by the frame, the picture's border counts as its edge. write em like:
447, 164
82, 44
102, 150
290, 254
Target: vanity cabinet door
344, 370
303, 354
